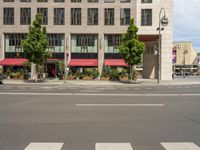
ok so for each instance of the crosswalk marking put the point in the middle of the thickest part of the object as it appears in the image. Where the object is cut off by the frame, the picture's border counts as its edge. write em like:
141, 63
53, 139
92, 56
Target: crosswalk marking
44, 146
180, 146
113, 146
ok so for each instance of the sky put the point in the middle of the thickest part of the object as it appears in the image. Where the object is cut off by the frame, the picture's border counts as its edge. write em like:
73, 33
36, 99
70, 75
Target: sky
187, 22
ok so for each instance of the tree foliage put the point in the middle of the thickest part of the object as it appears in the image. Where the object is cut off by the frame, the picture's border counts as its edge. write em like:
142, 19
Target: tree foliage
131, 49
35, 45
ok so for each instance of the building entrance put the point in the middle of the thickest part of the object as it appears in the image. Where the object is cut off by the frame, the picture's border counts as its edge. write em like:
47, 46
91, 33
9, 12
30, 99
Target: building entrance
51, 70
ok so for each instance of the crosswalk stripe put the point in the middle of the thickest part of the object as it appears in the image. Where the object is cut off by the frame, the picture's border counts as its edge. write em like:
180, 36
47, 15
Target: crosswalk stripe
44, 146
113, 146
180, 146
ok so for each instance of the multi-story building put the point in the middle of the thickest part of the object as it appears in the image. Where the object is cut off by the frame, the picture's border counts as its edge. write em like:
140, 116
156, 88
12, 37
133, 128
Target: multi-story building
89, 31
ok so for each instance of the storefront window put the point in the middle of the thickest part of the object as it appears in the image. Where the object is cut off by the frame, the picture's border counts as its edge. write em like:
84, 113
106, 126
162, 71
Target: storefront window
84, 43
56, 43
112, 43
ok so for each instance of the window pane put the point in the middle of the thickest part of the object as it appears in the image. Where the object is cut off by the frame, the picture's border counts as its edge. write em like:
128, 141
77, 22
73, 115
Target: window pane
25, 16
44, 12
146, 1
109, 16
84, 43
146, 19
8, 16
59, 16
92, 16
75, 16
125, 16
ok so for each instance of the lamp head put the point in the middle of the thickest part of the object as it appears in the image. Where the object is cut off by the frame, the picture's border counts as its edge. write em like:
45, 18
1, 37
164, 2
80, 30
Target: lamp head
164, 21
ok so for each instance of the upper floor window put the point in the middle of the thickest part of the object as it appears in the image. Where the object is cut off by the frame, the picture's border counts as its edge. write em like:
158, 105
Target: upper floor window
75, 16
44, 12
93, 1
75, 0
146, 19
109, 1
25, 0
59, 16
8, 0
92, 16
25, 16
125, 1
124, 16
8, 16
146, 1
59, 0
42, 0
109, 14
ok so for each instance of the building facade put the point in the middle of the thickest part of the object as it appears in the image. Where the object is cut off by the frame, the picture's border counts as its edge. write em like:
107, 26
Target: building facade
185, 58
89, 31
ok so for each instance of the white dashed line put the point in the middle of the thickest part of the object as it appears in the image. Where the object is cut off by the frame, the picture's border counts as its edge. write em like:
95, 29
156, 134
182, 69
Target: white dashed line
120, 105
44, 146
180, 146
113, 146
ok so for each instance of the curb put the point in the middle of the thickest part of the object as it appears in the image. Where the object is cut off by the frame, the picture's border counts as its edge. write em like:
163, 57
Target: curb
104, 83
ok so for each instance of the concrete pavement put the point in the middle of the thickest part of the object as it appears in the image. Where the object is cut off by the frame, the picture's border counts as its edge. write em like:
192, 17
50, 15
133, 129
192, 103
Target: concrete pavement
140, 82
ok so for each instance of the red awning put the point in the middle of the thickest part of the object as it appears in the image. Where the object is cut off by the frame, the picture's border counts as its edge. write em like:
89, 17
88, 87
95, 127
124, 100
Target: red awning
83, 62
13, 62
115, 62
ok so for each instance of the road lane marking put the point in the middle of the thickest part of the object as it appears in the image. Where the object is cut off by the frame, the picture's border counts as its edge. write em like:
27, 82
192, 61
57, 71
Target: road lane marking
100, 94
120, 105
113, 146
44, 146
180, 146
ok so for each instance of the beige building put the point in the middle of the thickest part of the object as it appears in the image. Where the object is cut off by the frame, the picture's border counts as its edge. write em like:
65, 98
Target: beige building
185, 59
89, 31
185, 53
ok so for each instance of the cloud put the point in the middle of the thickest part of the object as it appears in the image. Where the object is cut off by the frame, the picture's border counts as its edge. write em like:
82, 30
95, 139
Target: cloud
187, 22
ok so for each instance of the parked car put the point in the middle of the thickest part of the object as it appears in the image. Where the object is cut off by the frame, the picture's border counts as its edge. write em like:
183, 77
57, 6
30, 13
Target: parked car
1, 78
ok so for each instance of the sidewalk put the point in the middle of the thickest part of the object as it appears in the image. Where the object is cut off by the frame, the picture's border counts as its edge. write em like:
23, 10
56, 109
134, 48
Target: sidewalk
140, 82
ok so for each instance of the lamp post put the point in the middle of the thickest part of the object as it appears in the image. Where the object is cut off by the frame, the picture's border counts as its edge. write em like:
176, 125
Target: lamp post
184, 65
163, 22
65, 61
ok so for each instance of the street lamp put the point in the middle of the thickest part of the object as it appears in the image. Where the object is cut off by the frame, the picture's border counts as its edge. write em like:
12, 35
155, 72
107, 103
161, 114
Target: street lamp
163, 22
184, 53
65, 61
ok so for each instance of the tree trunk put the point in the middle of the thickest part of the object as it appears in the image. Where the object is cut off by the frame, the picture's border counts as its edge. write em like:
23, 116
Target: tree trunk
36, 75
134, 73
32, 71
131, 74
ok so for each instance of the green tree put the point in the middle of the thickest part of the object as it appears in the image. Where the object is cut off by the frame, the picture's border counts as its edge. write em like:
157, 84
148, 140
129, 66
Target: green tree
35, 45
131, 49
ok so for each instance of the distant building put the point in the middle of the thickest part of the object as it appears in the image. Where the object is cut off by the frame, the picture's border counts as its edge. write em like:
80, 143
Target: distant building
184, 58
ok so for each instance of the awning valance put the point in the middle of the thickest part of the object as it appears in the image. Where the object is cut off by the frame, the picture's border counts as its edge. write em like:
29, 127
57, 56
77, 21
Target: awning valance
83, 62
12, 61
115, 62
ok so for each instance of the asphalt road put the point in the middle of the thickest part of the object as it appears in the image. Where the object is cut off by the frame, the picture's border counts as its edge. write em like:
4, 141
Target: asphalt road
44, 117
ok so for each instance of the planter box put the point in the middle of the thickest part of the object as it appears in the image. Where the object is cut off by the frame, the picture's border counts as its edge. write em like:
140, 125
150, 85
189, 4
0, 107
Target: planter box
87, 78
123, 79
70, 78
105, 78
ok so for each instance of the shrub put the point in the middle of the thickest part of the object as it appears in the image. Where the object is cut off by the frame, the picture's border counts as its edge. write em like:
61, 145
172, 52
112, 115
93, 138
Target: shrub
114, 74
106, 72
